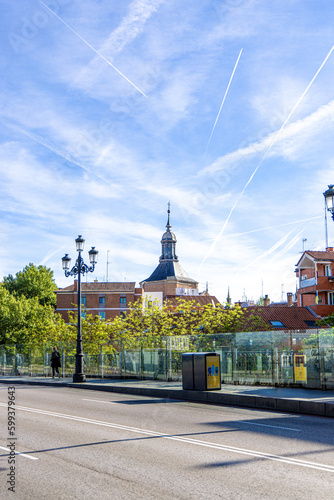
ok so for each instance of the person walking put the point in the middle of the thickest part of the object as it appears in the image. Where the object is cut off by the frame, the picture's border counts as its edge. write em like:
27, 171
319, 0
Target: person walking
55, 362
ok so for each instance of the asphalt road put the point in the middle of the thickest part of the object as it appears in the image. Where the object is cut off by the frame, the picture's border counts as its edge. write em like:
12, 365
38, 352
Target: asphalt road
82, 444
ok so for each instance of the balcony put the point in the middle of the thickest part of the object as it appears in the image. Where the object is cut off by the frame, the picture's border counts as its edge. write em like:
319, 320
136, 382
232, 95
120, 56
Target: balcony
308, 282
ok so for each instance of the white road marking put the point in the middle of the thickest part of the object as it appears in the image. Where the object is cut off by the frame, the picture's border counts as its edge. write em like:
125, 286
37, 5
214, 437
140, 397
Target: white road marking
266, 425
97, 401
232, 449
19, 453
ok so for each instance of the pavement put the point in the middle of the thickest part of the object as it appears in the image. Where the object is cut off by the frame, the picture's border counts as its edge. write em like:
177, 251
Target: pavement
285, 399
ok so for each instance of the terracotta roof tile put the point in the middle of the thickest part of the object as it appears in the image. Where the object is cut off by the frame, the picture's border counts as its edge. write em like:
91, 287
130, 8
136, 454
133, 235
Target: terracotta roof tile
291, 317
318, 255
101, 286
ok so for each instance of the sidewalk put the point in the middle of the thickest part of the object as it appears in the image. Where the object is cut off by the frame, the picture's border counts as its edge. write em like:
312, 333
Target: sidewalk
307, 401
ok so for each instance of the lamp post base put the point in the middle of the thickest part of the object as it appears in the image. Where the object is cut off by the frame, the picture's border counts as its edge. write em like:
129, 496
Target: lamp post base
79, 377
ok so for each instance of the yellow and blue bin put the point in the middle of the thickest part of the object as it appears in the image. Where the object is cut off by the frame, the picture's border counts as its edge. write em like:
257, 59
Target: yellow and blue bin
201, 371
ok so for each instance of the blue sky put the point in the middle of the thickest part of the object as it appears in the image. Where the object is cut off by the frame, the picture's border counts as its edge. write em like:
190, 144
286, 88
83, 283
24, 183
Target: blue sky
110, 109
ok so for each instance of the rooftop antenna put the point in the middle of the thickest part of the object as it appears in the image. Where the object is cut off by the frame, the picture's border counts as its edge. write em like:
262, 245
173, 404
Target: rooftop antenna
303, 240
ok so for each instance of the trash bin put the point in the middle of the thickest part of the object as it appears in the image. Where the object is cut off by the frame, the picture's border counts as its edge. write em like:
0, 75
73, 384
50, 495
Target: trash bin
188, 371
201, 371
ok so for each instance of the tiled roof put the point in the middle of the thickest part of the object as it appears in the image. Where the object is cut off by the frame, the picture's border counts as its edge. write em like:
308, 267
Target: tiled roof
317, 255
291, 317
102, 286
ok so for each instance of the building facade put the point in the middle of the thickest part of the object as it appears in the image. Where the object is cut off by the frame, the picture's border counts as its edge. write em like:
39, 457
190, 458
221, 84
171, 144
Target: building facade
315, 272
104, 299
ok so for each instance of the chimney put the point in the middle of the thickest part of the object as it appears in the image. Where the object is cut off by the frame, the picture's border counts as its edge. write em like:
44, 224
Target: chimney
266, 300
290, 295
329, 249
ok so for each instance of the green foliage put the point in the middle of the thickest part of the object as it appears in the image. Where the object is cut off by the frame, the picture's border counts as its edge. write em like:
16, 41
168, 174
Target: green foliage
95, 333
327, 321
324, 338
25, 321
148, 324
140, 321
33, 282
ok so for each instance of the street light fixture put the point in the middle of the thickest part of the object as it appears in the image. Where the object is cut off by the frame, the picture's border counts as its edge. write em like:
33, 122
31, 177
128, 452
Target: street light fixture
80, 268
329, 199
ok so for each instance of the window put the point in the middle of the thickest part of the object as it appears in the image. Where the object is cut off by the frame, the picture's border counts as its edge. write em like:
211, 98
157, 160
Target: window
122, 314
102, 315
330, 297
122, 300
300, 361
327, 270
102, 299
277, 323
83, 300
83, 314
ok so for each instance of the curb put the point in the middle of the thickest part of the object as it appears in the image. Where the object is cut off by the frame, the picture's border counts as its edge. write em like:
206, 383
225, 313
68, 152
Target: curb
322, 409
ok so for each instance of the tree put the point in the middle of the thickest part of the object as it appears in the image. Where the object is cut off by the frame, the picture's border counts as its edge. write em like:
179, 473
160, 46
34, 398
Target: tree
186, 318
33, 282
148, 323
26, 321
95, 333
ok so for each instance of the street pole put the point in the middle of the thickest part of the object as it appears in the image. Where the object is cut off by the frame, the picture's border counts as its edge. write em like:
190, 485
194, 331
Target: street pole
79, 375
79, 268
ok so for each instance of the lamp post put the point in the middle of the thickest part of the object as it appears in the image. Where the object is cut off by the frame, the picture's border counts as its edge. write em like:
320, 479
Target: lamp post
80, 268
329, 199
329, 205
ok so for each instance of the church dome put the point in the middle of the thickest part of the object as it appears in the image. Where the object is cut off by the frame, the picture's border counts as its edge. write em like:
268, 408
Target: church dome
168, 236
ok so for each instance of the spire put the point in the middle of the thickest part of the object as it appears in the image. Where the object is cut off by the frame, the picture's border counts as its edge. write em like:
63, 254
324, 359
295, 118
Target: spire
228, 299
168, 226
168, 241
169, 267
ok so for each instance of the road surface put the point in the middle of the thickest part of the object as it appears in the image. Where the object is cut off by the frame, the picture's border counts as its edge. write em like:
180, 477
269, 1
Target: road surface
85, 444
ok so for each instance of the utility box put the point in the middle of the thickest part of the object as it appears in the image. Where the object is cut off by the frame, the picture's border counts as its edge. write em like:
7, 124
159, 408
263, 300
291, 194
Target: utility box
201, 371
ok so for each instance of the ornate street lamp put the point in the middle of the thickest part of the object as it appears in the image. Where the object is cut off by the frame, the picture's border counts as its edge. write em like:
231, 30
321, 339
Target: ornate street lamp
80, 268
329, 199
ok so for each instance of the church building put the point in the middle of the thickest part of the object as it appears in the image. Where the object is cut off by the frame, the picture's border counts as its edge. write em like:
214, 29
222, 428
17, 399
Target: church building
169, 279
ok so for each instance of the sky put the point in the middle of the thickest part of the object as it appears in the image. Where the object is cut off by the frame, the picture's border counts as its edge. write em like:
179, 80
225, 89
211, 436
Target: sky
111, 109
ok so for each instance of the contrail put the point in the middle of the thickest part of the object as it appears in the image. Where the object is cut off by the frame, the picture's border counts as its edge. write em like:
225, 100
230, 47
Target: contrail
273, 227
279, 243
222, 104
91, 47
51, 147
264, 157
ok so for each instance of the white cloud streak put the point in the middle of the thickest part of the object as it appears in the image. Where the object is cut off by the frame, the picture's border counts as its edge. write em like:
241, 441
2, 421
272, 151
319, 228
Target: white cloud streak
263, 158
94, 50
223, 101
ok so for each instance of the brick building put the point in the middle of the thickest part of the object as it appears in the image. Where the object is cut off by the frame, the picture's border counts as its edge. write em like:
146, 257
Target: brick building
315, 270
104, 299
